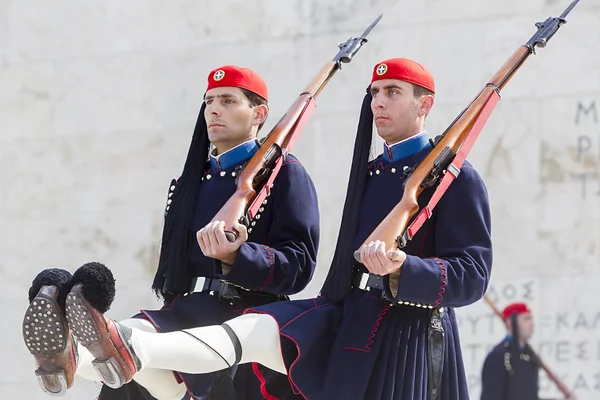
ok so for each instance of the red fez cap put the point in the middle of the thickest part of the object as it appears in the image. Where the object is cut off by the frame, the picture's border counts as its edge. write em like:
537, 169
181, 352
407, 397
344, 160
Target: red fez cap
518, 308
243, 78
404, 70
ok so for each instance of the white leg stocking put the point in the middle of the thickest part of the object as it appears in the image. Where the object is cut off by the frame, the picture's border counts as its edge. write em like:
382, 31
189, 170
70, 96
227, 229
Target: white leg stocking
211, 348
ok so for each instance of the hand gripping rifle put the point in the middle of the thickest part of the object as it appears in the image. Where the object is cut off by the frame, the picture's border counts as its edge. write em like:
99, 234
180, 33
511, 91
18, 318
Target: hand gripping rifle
254, 182
561, 386
450, 149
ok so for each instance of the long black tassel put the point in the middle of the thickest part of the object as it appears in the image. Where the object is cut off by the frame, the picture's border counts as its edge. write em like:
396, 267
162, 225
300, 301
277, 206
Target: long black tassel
338, 283
174, 274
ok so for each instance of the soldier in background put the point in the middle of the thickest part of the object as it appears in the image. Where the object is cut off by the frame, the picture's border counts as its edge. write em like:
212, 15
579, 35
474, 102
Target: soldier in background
511, 369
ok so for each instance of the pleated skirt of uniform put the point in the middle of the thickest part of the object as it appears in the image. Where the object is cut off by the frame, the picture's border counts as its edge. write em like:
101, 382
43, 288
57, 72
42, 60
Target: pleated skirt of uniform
363, 349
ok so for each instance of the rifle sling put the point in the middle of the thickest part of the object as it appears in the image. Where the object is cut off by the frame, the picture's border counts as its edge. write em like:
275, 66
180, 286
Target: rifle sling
455, 165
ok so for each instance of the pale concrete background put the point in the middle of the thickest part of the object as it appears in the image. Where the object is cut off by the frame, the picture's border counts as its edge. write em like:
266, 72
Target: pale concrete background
98, 100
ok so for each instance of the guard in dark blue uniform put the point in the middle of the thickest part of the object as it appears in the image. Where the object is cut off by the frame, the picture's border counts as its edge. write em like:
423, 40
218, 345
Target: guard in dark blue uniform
204, 279
355, 341
510, 371
381, 329
500, 378
277, 259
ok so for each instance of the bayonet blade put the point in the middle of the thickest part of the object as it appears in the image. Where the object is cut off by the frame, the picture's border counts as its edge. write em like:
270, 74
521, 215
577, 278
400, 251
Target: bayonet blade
568, 10
370, 28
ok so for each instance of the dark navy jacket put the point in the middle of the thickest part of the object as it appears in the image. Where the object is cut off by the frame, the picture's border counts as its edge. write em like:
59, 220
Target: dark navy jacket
365, 348
505, 378
280, 254
278, 259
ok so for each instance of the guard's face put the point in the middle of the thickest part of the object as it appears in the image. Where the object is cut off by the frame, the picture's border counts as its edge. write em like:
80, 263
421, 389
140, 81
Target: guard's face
526, 326
230, 118
396, 112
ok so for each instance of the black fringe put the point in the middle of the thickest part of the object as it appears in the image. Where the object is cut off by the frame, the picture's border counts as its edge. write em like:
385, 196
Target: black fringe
174, 274
338, 283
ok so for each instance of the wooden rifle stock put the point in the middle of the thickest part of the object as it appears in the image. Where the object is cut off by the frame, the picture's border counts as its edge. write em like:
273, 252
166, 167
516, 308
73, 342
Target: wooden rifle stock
395, 224
255, 180
561, 386
259, 166
394, 230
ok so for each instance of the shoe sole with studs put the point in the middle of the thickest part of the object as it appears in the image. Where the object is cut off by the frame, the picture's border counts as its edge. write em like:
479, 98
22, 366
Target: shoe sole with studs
46, 335
114, 362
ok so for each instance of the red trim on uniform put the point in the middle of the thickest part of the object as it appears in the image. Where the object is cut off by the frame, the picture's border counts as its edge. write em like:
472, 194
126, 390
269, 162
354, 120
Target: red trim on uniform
300, 315
271, 260
263, 383
367, 348
149, 318
379, 166
295, 388
442, 265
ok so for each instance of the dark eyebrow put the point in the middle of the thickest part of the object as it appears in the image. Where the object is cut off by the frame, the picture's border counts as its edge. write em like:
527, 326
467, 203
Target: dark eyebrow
225, 96
386, 87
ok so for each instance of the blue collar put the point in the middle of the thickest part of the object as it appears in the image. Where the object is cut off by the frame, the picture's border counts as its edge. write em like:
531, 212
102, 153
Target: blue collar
234, 156
405, 148
508, 338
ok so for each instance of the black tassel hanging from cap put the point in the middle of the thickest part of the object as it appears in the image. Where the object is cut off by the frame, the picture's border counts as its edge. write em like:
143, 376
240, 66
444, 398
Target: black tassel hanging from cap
174, 274
338, 283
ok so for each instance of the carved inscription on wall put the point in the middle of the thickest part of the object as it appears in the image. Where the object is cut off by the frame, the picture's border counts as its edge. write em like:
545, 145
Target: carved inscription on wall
587, 120
566, 338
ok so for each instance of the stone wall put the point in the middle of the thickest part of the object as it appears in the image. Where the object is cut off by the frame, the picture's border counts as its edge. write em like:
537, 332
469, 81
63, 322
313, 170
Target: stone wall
98, 100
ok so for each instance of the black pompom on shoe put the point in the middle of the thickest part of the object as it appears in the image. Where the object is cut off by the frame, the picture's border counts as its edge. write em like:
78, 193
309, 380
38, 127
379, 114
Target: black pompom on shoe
50, 277
97, 285
91, 295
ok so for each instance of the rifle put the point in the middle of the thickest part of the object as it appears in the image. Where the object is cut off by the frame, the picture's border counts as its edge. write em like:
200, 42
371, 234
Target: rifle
561, 386
256, 179
450, 149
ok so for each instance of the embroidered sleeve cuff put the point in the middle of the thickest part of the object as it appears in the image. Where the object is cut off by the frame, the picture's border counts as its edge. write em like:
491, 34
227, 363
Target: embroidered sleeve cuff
253, 267
421, 281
